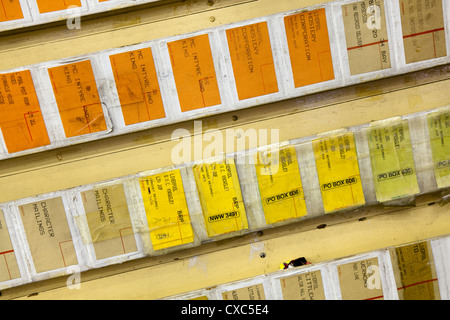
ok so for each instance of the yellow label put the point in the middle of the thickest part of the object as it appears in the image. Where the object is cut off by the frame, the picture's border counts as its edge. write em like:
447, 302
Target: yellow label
10, 10
9, 269
109, 221
48, 234
414, 271
366, 36
21, 118
220, 197
309, 47
254, 292
77, 97
166, 210
338, 171
137, 86
252, 60
423, 29
305, 286
439, 129
194, 73
360, 280
280, 185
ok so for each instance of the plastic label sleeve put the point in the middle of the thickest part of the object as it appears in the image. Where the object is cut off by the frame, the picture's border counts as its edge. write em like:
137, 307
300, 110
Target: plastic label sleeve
338, 172
194, 73
305, 286
109, 221
46, 226
252, 60
21, 118
220, 197
391, 155
280, 186
366, 36
9, 269
309, 47
166, 209
439, 129
423, 29
77, 97
137, 86
254, 292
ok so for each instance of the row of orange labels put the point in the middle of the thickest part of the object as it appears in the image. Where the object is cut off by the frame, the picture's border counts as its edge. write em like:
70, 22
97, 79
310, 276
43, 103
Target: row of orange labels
416, 271
222, 69
178, 207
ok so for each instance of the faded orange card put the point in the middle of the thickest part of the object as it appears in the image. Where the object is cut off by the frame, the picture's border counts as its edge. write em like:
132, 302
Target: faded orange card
21, 119
10, 10
77, 97
309, 47
252, 60
194, 72
137, 85
56, 5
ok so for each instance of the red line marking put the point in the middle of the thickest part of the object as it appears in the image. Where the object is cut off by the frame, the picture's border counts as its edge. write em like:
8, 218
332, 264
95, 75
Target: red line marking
417, 283
121, 238
7, 267
28, 127
62, 254
6, 252
434, 45
367, 45
422, 33
403, 8
375, 298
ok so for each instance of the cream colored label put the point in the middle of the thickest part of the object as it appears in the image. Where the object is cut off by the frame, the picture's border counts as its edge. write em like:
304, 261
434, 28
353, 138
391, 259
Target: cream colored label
220, 197
48, 234
280, 186
391, 155
109, 221
166, 208
366, 36
338, 172
423, 29
414, 271
254, 292
439, 129
9, 268
305, 286
360, 280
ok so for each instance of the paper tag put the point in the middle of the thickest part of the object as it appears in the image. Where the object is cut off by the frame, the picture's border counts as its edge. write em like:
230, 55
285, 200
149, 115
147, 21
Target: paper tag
220, 197
391, 155
309, 47
304, 286
366, 36
280, 185
166, 208
48, 234
77, 97
252, 60
338, 171
439, 129
109, 221
360, 280
194, 73
9, 269
21, 118
423, 29
10, 10
137, 86
414, 271
254, 292
56, 5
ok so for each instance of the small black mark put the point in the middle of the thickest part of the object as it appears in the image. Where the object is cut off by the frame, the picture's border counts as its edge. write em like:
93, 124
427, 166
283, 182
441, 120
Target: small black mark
321, 226
235, 118
260, 233
362, 219
33, 294
262, 255
432, 203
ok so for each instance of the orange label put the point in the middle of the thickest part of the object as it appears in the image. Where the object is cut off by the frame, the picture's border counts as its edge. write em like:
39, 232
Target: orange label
56, 5
252, 60
77, 98
21, 119
309, 47
137, 85
10, 10
194, 72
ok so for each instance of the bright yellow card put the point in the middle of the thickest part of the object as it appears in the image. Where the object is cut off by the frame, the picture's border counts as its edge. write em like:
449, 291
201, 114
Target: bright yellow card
439, 128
